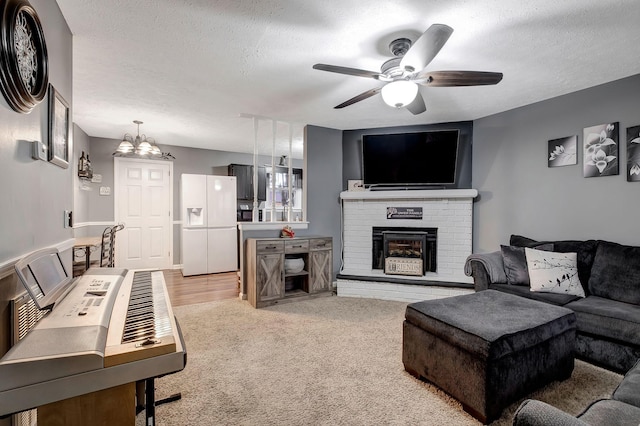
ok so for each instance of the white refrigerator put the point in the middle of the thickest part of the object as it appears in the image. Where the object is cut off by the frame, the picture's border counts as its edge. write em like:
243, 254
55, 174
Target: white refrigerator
209, 224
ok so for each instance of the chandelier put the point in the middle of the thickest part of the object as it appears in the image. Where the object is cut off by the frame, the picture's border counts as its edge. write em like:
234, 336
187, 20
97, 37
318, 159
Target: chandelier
141, 146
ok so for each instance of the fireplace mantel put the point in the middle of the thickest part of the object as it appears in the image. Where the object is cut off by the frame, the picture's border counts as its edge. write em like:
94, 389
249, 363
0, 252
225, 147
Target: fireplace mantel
409, 194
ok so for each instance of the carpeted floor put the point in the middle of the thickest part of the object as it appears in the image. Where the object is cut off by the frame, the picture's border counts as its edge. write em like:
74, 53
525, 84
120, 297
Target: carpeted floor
328, 361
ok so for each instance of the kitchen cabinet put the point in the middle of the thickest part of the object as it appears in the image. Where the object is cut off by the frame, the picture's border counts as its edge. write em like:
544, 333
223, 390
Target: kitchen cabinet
244, 176
270, 280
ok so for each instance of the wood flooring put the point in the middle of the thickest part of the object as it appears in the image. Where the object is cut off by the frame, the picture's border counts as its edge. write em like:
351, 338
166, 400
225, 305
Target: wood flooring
200, 288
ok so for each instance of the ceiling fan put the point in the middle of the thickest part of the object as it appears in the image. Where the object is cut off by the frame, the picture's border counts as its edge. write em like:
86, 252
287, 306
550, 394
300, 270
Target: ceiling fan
403, 73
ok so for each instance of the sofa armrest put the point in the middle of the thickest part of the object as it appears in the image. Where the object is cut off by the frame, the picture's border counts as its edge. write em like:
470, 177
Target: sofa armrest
485, 268
480, 276
538, 413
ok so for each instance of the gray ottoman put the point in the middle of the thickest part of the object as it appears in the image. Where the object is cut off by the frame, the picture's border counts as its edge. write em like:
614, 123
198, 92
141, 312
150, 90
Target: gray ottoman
488, 349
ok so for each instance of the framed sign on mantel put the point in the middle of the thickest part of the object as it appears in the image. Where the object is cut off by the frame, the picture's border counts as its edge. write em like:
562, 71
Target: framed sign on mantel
58, 129
404, 212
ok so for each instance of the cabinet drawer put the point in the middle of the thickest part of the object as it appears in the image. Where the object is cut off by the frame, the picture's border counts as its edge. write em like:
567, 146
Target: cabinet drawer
296, 246
321, 244
270, 246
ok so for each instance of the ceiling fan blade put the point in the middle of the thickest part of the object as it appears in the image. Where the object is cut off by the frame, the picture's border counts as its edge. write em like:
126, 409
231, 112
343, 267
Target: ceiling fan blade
346, 70
426, 47
417, 106
360, 97
458, 78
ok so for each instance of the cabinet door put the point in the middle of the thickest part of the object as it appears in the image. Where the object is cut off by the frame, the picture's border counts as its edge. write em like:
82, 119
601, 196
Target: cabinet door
269, 276
320, 271
244, 176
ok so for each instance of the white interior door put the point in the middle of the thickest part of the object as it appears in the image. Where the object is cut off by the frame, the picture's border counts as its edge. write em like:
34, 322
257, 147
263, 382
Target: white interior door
143, 201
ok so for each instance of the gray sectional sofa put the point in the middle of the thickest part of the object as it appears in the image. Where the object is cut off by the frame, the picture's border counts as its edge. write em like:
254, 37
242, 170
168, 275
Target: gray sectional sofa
608, 318
623, 408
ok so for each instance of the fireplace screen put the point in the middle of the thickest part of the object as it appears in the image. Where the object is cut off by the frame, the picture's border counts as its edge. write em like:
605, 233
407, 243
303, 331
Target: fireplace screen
404, 251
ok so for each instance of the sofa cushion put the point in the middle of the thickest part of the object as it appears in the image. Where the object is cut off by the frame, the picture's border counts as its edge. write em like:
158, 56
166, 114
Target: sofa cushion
611, 412
515, 263
586, 251
629, 389
616, 273
552, 272
552, 298
599, 316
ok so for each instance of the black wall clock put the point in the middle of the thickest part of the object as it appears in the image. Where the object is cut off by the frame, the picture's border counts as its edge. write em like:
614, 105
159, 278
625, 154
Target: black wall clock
24, 71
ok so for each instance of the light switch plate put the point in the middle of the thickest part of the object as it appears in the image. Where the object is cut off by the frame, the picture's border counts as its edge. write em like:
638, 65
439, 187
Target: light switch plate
68, 219
39, 151
105, 190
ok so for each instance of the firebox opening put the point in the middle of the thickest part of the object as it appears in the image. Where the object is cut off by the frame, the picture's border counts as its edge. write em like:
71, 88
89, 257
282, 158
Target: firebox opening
404, 250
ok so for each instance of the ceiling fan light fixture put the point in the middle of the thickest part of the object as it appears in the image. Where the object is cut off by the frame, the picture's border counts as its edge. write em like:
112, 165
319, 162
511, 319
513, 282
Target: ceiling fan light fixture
399, 93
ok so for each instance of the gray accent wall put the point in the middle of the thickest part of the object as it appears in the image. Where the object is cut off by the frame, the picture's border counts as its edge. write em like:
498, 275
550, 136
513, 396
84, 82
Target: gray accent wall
34, 193
323, 154
519, 194
352, 149
80, 186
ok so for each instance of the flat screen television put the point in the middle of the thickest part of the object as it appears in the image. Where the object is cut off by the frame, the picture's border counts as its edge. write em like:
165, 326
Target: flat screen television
410, 159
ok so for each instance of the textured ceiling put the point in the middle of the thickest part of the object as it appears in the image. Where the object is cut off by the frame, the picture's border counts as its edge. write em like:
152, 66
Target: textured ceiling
189, 68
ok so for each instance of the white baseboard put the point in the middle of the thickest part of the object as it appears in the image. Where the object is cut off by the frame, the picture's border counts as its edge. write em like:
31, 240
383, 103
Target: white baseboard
398, 292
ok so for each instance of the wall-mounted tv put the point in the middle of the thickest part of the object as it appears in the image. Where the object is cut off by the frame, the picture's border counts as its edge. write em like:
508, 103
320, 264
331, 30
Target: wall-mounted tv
410, 159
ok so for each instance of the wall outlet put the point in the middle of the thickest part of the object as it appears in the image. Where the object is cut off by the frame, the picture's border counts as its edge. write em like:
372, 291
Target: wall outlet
355, 185
105, 190
96, 178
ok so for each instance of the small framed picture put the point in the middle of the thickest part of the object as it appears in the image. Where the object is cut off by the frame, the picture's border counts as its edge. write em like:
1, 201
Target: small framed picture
562, 152
58, 129
633, 154
601, 150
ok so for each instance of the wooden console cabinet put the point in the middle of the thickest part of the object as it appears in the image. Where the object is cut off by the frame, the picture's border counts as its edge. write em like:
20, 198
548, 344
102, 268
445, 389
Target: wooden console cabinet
267, 280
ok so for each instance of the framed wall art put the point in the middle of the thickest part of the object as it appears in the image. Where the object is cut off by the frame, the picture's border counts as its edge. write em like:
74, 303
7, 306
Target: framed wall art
563, 151
601, 150
58, 129
633, 154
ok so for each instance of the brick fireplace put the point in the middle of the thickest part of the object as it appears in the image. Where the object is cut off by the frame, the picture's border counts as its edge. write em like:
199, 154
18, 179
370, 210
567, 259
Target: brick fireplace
443, 216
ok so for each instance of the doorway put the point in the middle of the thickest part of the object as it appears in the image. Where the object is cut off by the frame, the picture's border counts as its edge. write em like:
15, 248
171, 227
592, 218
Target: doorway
143, 202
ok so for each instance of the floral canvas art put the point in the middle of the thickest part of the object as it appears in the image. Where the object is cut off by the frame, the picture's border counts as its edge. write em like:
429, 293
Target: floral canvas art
601, 150
633, 154
563, 151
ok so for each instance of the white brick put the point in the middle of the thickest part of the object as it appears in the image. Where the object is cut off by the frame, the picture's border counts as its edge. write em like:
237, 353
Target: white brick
452, 218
